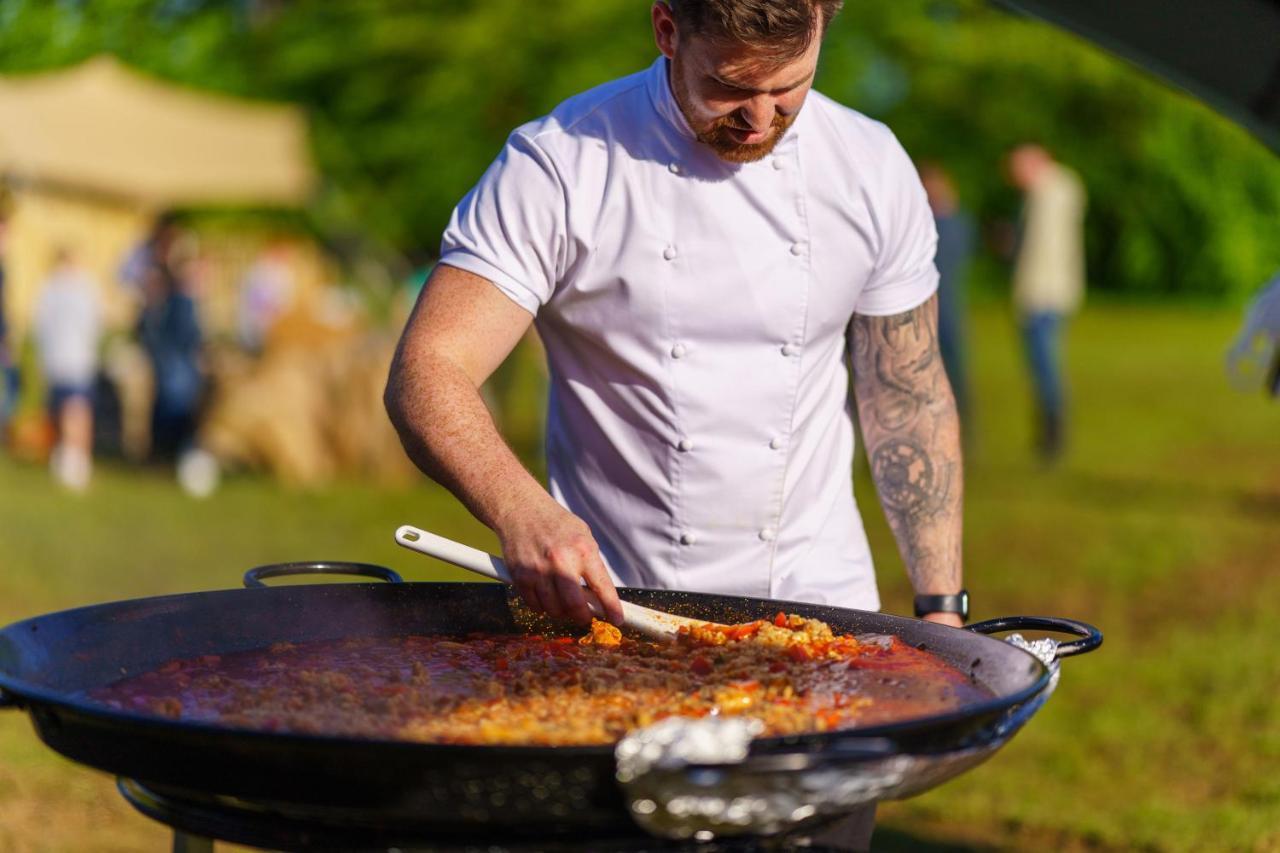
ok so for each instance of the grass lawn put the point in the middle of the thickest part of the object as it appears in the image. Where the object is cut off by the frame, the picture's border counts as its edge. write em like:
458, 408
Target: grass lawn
1162, 526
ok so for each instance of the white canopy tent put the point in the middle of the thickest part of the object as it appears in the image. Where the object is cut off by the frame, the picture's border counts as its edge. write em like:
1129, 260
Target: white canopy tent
105, 128
90, 154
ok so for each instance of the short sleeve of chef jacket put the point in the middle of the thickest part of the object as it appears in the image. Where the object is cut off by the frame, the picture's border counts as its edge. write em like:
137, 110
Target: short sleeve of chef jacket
511, 227
905, 274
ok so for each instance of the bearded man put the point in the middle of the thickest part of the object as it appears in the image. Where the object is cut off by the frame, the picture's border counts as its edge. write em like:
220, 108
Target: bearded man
706, 249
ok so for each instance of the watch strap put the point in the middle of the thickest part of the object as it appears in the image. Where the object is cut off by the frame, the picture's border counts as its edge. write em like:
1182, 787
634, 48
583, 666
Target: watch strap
953, 603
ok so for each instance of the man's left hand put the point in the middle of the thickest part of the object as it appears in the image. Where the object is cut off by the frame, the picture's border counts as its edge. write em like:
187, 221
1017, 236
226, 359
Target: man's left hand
951, 619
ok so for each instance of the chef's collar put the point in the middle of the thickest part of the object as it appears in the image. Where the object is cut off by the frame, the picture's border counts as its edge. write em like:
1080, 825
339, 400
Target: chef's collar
664, 101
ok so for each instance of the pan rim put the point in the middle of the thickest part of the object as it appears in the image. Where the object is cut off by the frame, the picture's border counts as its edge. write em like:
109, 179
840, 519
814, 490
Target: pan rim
33, 694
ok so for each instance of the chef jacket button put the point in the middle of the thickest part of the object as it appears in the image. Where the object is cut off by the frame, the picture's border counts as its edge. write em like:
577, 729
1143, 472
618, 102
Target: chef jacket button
678, 351
768, 534
778, 164
675, 168
684, 445
790, 349
775, 443
669, 253
797, 249
687, 538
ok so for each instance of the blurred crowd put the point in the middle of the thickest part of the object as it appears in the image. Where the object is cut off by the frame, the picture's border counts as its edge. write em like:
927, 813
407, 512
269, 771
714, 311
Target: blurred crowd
292, 385
144, 401
275, 390
296, 392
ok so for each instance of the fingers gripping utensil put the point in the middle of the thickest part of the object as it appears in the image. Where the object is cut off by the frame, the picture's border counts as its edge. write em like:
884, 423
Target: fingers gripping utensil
651, 623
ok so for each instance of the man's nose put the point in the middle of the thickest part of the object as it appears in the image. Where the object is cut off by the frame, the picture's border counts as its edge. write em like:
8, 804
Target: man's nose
759, 112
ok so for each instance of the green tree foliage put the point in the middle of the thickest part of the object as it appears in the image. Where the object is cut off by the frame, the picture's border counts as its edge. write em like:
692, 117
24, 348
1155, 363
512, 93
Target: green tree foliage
1181, 201
410, 100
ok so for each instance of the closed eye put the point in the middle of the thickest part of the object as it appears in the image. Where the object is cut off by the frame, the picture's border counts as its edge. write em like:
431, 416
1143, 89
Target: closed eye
732, 89
747, 91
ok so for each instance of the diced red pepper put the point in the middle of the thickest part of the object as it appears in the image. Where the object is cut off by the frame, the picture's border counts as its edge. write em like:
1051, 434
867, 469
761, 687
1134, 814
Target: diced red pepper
780, 620
700, 665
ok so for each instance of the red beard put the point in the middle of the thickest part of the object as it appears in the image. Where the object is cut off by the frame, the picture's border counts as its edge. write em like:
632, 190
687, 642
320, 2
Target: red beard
718, 136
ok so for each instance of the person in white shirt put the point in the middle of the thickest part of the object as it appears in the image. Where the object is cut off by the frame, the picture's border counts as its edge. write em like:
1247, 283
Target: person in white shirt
266, 292
68, 328
706, 248
1048, 280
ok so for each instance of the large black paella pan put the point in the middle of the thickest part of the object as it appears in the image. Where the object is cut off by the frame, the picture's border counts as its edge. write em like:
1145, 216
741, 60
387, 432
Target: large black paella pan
48, 663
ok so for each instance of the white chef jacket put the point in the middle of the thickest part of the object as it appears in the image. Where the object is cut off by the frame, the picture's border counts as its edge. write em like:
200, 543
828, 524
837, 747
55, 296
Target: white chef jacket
694, 314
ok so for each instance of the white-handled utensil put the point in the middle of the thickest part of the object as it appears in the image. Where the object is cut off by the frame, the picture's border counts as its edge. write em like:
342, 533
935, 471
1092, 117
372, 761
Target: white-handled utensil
651, 623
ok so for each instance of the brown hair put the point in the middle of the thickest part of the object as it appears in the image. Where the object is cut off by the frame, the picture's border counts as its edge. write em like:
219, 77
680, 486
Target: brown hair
783, 28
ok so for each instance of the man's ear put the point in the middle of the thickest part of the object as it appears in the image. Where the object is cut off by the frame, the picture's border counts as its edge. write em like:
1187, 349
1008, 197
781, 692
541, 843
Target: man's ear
664, 29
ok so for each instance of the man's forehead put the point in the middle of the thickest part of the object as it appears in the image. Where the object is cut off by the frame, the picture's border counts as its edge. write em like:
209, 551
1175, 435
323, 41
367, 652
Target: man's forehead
751, 67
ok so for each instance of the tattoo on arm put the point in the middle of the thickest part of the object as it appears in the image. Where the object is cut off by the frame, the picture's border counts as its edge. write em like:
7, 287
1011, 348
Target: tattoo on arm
912, 433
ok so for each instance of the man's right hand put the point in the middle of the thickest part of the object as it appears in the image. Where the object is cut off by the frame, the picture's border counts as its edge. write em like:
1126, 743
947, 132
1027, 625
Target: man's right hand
550, 553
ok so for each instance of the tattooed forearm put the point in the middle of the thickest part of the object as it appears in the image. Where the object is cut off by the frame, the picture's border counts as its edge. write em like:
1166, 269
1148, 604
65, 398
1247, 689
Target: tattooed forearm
912, 433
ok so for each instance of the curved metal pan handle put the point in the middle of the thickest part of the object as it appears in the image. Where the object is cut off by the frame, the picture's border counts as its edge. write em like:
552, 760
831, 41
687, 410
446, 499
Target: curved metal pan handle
1092, 636
255, 576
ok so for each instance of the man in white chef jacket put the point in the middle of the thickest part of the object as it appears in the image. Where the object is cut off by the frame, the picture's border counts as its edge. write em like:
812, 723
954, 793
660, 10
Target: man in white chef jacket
707, 248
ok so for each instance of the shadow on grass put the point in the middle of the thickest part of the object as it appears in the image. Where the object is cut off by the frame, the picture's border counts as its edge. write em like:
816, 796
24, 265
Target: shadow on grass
887, 840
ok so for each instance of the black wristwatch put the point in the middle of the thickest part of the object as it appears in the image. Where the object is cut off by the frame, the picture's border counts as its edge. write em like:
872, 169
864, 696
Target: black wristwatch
957, 603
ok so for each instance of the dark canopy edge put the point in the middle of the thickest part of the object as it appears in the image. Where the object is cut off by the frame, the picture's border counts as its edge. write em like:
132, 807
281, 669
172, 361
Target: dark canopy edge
1260, 115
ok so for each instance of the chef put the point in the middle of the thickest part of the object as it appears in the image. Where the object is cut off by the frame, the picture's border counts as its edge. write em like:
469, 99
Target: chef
707, 248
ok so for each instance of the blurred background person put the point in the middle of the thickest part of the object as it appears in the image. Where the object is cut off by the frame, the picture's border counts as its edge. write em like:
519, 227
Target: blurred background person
266, 292
956, 236
1254, 359
68, 328
9, 376
127, 362
1048, 279
169, 330
155, 248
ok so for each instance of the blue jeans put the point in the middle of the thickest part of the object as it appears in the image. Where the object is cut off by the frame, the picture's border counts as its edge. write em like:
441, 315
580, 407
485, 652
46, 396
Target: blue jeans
61, 392
11, 380
1041, 335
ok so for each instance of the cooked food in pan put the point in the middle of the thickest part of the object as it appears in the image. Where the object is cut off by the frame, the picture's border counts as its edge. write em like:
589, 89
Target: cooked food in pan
795, 675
